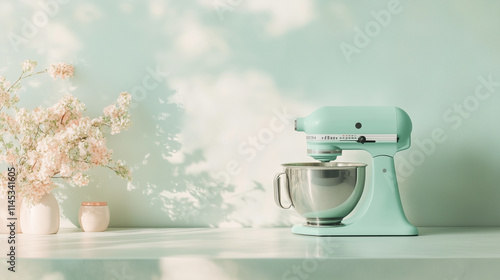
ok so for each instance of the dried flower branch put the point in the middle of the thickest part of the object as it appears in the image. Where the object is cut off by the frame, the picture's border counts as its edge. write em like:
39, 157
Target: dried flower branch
57, 142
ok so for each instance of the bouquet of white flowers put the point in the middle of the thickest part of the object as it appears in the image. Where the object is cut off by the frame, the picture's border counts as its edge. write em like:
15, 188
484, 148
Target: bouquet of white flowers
55, 142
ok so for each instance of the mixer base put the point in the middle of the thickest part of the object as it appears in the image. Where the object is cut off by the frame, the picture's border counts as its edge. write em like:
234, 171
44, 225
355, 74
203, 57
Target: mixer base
353, 230
323, 222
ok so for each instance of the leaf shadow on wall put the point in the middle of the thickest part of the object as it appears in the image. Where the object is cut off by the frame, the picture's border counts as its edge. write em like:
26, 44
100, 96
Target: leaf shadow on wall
120, 48
163, 192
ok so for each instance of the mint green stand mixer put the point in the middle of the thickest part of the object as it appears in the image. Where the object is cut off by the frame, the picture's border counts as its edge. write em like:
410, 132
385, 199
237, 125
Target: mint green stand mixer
324, 192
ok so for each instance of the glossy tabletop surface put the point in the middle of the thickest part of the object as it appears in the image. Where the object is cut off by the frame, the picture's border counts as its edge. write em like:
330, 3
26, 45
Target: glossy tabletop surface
246, 253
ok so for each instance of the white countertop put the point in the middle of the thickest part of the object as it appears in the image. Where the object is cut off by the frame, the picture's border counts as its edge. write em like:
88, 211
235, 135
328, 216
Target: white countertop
247, 253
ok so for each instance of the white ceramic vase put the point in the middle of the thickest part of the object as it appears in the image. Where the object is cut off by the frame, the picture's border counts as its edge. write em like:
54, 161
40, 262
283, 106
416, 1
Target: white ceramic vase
41, 218
4, 214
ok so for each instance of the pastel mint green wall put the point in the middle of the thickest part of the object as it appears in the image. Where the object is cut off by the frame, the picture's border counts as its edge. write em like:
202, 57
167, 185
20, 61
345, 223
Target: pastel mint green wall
228, 77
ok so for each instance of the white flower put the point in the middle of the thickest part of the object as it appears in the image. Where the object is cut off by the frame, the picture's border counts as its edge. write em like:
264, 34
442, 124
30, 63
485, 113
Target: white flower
124, 99
58, 141
80, 179
61, 70
28, 66
4, 98
4, 84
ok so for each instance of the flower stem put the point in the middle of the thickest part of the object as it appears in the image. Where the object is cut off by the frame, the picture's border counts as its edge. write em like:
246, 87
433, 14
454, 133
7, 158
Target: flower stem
24, 77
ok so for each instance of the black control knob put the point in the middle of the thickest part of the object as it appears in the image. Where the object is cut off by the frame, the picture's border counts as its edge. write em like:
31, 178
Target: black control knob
362, 140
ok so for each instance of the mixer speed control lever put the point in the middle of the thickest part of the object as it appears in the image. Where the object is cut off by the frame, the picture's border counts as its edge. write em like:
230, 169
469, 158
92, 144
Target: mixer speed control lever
362, 140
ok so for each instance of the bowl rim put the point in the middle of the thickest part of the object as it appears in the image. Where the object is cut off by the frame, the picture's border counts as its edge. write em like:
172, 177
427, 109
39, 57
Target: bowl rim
323, 165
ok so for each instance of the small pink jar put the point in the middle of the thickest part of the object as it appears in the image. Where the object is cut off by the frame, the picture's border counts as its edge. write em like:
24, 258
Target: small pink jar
94, 216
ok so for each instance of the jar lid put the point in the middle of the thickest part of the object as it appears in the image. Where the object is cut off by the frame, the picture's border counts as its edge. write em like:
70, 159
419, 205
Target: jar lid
90, 203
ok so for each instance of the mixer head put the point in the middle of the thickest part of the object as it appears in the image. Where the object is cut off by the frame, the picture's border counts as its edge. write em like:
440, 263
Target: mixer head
378, 130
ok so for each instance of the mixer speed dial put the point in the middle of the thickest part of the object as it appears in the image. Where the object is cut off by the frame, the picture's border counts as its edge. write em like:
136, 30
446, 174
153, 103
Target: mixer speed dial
362, 140
355, 138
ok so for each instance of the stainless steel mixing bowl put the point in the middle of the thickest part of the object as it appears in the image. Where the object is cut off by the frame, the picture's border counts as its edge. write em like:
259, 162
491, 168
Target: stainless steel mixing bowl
322, 192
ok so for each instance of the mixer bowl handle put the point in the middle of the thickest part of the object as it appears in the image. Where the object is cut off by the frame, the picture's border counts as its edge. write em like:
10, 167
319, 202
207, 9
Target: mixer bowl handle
277, 191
